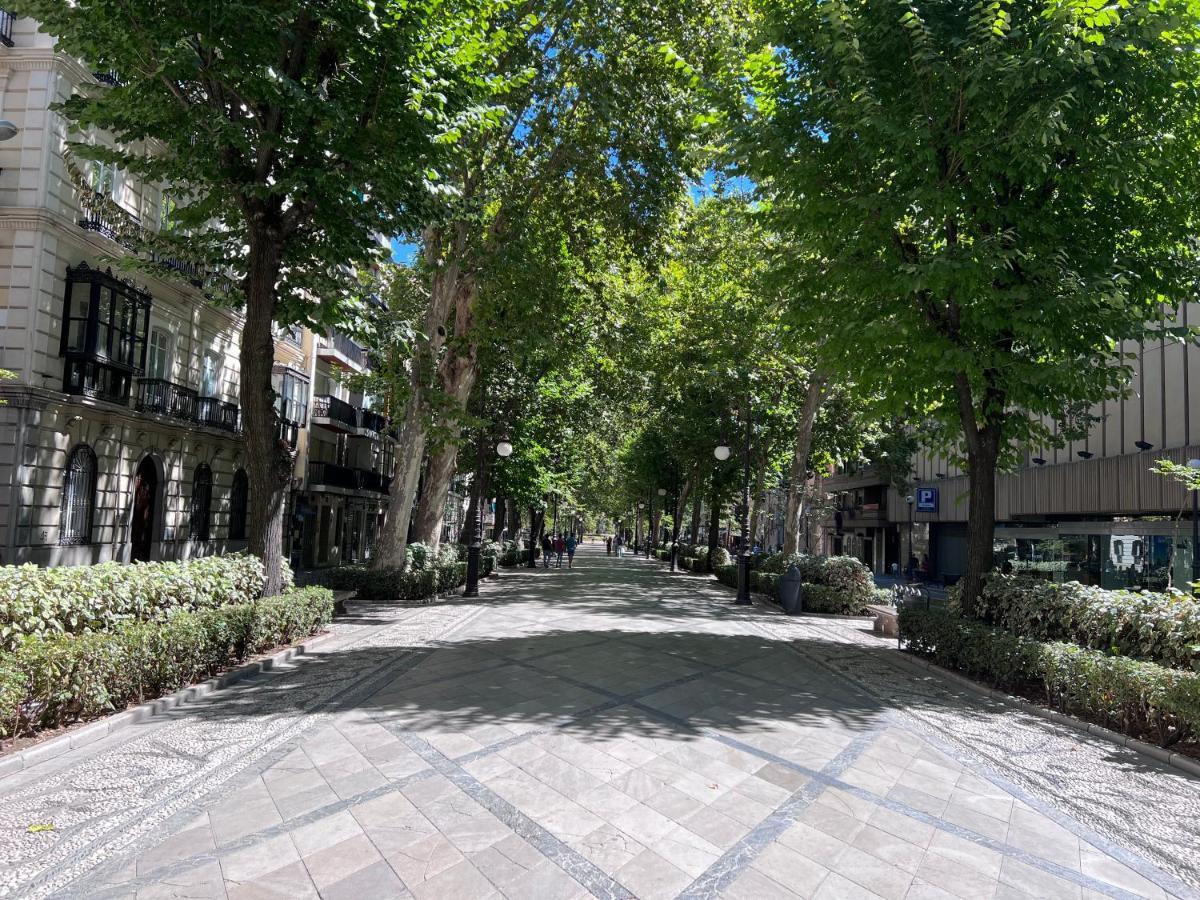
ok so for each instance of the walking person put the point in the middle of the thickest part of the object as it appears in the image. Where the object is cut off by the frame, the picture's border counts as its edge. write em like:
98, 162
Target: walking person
570, 545
608, 546
559, 546
547, 550
620, 545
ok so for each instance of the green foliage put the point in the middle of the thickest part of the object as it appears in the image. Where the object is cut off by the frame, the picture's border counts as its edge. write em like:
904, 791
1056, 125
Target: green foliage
1142, 699
42, 602
413, 584
1163, 627
56, 679
832, 584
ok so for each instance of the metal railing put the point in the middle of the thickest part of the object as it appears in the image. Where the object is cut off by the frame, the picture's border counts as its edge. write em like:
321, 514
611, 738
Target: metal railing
217, 414
329, 407
332, 475
289, 433
373, 481
95, 216
372, 421
347, 347
157, 395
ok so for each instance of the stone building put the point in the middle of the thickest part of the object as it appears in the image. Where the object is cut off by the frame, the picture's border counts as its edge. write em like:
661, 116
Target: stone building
120, 433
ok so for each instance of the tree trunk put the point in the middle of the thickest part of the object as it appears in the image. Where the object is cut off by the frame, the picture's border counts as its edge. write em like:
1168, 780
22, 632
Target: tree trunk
473, 508
981, 515
694, 531
714, 523
514, 522
456, 377
798, 474
501, 514
755, 505
444, 286
269, 461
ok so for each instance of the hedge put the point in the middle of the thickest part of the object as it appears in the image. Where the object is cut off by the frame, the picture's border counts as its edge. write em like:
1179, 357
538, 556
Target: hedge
38, 602
1142, 699
1162, 627
401, 585
59, 679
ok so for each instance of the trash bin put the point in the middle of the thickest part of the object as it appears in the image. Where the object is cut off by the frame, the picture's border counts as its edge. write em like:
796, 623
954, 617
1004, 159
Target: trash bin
790, 592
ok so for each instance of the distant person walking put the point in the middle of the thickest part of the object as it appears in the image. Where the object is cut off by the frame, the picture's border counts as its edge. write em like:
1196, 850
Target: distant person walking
620, 545
547, 550
571, 544
608, 546
559, 546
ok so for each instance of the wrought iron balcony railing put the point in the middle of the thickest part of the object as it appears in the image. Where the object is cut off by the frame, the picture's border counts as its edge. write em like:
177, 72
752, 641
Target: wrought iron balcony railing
372, 421
332, 475
217, 414
373, 481
157, 395
335, 410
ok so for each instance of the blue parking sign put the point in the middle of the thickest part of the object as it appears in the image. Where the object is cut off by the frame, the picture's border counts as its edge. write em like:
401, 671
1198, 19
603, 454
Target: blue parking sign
927, 500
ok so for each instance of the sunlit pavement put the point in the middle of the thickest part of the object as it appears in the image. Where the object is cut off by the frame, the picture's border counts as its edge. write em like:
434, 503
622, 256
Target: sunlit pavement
609, 731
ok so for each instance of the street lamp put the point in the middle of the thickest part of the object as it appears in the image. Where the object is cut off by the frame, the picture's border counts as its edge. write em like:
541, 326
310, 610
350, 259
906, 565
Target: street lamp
662, 503
1194, 464
722, 453
476, 546
908, 562
637, 527
504, 448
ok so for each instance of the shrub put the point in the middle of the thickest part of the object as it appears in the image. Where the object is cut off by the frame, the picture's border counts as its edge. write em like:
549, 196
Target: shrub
514, 556
57, 679
835, 584
1162, 627
1140, 698
408, 586
720, 557
75, 599
726, 574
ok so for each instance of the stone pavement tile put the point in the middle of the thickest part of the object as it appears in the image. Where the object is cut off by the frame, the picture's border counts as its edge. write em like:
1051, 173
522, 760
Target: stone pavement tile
917, 799
872, 873
1103, 867
754, 885
902, 826
832, 821
1020, 876
641, 785
954, 878
674, 804
395, 761
848, 804
650, 877
251, 810
326, 745
487, 767
793, 870
529, 874
375, 881
813, 843
997, 806
452, 744
608, 847
715, 827
569, 821
204, 882
341, 860
178, 846
284, 883
600, 765
527, 793
732, 756
740, 807
643, 823
761, 790
924, 890
838, 887
788, 779
868, 782
687, 851
423, 859
627, 751
354, 783
967, 854
303, 802
606, 801
1034, 833
968, 817
325, 832
567, 779
250, 863
886, 846
460, 880
363, 732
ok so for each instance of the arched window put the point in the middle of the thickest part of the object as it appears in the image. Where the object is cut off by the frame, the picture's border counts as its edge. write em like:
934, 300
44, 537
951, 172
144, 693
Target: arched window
78, 497
201, 502
237, 506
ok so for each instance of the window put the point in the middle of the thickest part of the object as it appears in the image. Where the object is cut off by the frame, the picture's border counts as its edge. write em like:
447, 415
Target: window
291, 394
159, 363
201, 502
166, 213
238, 499
105, 319
78, 497
210, 375
102, 178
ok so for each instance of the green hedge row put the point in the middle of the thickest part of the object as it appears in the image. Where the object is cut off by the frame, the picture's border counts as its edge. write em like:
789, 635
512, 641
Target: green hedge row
59, 679
402, 585
37, 602
1163, 627
1139, 698
514, 556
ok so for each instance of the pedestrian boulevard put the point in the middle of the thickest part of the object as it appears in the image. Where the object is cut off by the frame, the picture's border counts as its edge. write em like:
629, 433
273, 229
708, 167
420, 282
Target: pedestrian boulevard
611, 731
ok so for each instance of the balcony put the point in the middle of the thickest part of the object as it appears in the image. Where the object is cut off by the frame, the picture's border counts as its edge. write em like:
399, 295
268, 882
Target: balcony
325, 476
342, 351
214, 413
334, 414
371, 424
6, 26
289, 433
164, 398
376, 482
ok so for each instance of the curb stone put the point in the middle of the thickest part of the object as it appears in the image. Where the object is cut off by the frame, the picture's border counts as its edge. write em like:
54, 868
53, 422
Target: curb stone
1174, 760
88, 734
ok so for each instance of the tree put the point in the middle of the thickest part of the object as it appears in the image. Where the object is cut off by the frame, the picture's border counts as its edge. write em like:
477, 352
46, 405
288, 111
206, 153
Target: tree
290, 134
988, 197
599, 126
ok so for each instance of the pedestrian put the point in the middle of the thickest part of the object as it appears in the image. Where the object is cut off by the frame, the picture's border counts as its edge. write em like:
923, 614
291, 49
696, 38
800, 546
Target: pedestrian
620, 545
547, 550
570, 544
559, 546
608, 546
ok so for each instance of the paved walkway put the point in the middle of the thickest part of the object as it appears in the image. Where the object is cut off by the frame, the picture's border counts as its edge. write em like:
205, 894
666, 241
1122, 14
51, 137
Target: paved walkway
612, 731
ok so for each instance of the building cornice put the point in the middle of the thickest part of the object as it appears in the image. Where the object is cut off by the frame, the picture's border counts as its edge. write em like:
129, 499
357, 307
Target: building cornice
44, 59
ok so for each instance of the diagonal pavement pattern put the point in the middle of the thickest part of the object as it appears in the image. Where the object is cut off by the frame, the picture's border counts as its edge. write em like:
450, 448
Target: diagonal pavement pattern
609, 731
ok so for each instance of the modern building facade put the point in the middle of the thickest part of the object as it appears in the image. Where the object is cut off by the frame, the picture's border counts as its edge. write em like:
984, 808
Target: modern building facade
1090, 511
120, 433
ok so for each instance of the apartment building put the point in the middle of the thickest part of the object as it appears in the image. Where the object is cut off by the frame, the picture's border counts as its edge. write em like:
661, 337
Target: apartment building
1090, 511
120, 435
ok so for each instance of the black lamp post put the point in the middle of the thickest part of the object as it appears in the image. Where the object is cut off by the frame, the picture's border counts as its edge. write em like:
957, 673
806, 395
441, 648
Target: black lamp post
637, 528
675, 525
908, 561
504, 448
722, 453
1194, 464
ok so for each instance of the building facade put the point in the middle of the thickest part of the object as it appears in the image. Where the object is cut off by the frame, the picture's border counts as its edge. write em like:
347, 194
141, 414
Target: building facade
1090, 511
120, 433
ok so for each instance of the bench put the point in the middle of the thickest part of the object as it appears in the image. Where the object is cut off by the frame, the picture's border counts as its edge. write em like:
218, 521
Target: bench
886, 622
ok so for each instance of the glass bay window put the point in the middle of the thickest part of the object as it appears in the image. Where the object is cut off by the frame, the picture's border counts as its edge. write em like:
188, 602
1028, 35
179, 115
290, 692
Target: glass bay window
105, 320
